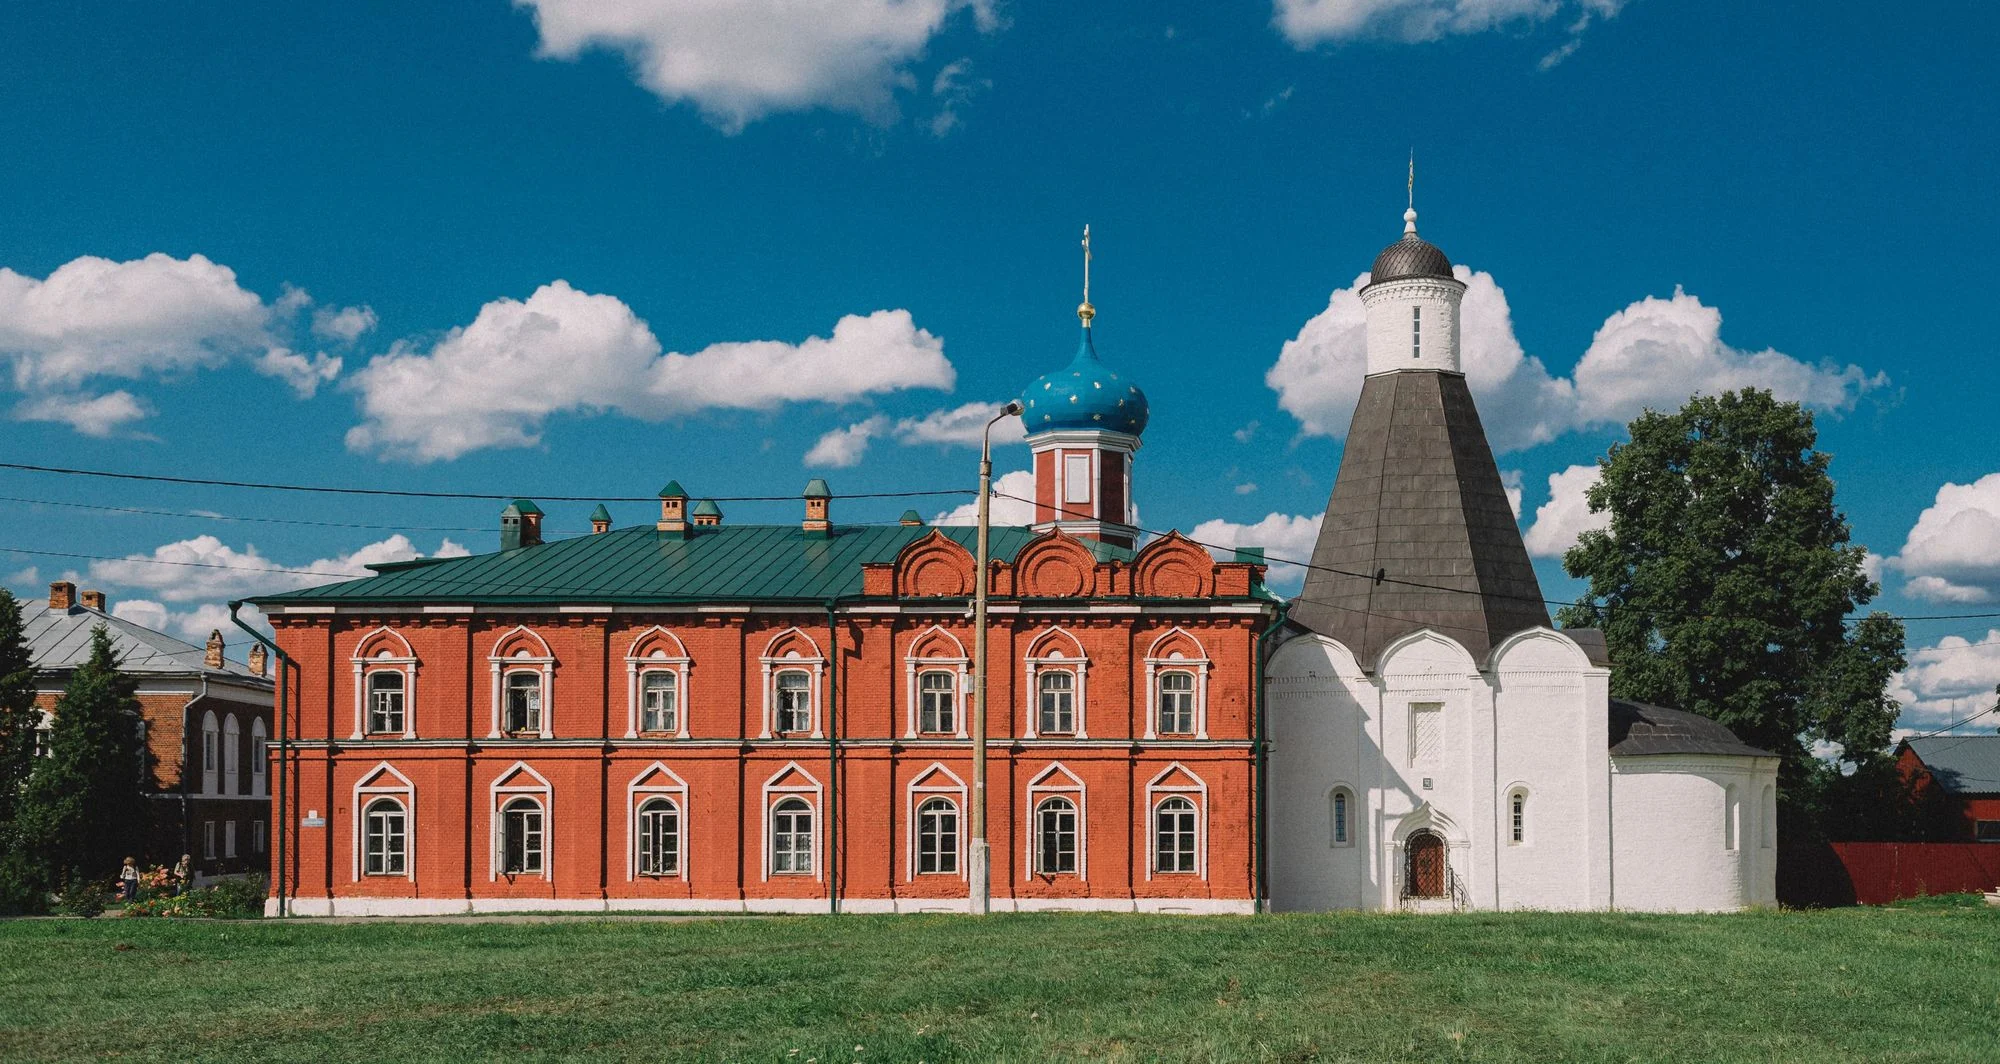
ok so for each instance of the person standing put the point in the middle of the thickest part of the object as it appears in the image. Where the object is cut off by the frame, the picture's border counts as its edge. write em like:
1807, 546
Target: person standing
183, 869
128, 881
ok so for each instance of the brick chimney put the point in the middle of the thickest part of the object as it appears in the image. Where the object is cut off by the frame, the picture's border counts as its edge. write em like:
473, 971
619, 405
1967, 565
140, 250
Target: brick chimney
817, 496
212, 656
520, 525
673, 510
92, 600
707, 514
600, 520
62, 595
257, 659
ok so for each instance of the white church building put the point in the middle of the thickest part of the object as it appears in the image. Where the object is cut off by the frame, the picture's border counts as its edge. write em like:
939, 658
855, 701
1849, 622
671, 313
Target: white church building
1435, 743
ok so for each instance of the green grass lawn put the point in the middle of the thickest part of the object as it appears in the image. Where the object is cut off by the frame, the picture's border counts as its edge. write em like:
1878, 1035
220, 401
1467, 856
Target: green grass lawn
1917, 983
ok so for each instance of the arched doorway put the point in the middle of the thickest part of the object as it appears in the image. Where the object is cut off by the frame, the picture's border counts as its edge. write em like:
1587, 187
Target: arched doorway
1424, 874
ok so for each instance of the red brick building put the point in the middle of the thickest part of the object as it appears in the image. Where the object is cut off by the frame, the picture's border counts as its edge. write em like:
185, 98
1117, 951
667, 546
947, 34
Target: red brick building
1964, 770
206, 720
690, 714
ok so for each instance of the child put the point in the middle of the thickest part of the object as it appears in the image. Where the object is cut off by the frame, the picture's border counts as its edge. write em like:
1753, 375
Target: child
128, 880
182, 872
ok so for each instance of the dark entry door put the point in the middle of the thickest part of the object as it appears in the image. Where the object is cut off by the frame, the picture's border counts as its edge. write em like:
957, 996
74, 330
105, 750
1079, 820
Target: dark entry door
1426, 865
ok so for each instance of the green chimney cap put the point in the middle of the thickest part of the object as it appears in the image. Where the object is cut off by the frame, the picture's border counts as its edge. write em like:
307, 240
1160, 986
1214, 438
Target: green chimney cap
817, 489
673, 490
527, 506
911, 517
512, 509
600, 514
707, 508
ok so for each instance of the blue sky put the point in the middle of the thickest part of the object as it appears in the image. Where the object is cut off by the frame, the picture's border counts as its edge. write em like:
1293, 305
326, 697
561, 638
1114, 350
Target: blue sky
465, 247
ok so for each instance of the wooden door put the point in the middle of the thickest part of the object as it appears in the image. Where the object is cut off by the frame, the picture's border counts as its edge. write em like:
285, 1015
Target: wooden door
1427, 878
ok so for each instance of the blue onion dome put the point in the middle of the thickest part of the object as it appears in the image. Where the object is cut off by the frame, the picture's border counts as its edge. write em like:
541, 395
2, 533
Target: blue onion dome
1410, 257
1086, 394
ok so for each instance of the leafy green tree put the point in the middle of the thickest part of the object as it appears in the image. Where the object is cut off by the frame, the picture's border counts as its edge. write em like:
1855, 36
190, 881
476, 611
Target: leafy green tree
20, 886
85, 807
1725, 583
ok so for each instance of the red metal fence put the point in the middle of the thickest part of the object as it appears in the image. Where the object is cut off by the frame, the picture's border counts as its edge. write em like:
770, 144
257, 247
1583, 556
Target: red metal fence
1882, 872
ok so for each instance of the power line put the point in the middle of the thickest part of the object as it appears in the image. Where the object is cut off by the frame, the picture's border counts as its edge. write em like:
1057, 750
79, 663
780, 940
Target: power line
406, 494
200, 515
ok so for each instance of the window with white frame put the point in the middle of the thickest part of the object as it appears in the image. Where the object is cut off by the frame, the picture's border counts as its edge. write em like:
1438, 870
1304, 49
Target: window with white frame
1055, 837
1517, 816
521, 837
211, 743
229, 838
1426, 731
937, 836
259, 840
232, 766
1732, 817
386, 838
1076, 481
793, 688
1176, 824
385, 702
44, 729
659, 842
208, 839
260, 758
1176, 702
792, 837
659, 701
521, 709
1057, 702
1341, 808
937, 694
1417, 332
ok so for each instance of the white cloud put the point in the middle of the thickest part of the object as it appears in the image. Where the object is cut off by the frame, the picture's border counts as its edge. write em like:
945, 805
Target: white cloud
191, 625
205, 568
952, 89
159, 316
739, 60
1510, 482
91, 415
1566, 515
956, 426
1282, 536
1309, 22
1246, 488
1952, 679
1952, 554
343, 324
493, 383
1247, 432
1013, 503
1647, 355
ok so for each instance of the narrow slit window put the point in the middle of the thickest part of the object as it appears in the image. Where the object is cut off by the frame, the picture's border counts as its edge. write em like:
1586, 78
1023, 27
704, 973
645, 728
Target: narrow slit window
1416, 332
1517, 817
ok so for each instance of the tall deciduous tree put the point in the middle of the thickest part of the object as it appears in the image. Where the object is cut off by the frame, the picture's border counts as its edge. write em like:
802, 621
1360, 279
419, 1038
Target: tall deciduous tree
1726, 581
85, 807
20, 884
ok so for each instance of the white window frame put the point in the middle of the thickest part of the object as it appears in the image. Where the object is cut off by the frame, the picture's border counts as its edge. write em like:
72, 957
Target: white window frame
1172, 661
229, 840
813, 665
389, 805
656, 781
370, 678
208, 840
654, 805
916, 663
232, 759
1732, 819
45, 733
657, 650
211, 753
1071, 462
935, 781
957, 847
499, 794
260, 758
1158, 790
1416, 713
379, 650
1056, 658
384, 781
1340, 821
260, 839
775, 792
1515, 829
1066, 784
522, 659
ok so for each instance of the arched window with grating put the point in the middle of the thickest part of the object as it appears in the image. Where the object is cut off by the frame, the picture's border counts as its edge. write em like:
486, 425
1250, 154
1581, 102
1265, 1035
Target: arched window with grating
1176, 836
1341, 813
386, 840
659, 839
792, 837
521, 837
937, 836
1055, 837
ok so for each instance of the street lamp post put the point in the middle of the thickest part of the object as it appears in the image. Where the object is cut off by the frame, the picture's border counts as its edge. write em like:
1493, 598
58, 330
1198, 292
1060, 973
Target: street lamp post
980, 857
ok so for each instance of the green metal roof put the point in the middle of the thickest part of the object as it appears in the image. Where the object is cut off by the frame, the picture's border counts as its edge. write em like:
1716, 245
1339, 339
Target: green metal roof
673, 490
735, 563
817, 489
707, 508
527, 506
600, 514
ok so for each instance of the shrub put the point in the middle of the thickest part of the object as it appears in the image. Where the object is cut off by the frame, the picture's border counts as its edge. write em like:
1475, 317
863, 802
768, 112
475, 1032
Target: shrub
228, 899
83, 896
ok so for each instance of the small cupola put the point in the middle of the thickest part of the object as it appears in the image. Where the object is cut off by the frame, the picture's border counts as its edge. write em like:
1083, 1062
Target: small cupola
600, 520
817, 496
911, 519
707, 514
211, 656
673, 510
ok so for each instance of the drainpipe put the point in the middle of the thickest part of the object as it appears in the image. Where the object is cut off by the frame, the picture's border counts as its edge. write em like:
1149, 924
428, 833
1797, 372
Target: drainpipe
1259, 826
832, 759
278, 821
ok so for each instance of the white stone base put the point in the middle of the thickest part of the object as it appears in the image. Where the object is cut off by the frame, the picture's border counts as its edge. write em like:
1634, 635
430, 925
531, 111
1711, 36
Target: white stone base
463, 906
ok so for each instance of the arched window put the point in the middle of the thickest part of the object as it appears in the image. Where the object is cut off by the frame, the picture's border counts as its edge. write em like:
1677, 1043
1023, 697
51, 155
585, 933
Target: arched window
659, 838
1732, 818
1055, 837
232, 763
792, 837
794, 701
1342, 813
386, 839
521, 837
937, 691
1517, 816
1176, 698
385, 702
211, 753
1058, 702
659, 701
522, 711
1174, 827
260, 759
937, 836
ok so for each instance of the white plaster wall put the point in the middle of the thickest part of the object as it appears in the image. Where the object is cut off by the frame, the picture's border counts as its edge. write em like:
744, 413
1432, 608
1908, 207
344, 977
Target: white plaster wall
1549, 739
1449, 791
1669, 833
1388, 310
1318, 729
